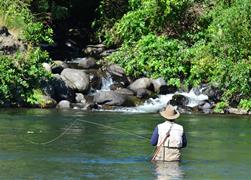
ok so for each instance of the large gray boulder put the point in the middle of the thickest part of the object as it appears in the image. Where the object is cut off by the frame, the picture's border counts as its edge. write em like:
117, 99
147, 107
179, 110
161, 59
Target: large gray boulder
57, 89
75, 79
160, 86
142, 83
109, 98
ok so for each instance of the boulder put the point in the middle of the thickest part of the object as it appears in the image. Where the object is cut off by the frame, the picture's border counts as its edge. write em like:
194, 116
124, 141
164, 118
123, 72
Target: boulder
179, 100
47, 67
125, 91
57, 89
94, 50
58, 66
64, 104
213, 93
142, 83
206, 108
118, 74
160, 86
236, 111
116, 70
107, 52
143, 93
75, 79
80, 98
109, 98
87, 63
95, 80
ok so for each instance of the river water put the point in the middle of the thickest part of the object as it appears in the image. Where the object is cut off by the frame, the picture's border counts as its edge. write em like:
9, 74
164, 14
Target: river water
51, 144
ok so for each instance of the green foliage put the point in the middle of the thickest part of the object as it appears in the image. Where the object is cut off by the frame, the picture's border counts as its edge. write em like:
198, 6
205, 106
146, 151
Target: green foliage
209, 42
36, 97
220, 107
245, 104
15, 13
230, 30
109, 11
20, 74
37, 33
144, 17
153, 56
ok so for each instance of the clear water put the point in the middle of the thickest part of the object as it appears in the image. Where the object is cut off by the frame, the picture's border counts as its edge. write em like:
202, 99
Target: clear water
219, 146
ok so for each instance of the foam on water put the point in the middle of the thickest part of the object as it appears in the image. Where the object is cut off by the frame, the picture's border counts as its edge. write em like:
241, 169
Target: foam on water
154, 105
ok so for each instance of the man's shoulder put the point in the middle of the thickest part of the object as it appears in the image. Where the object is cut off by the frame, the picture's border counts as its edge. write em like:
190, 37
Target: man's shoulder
178, 125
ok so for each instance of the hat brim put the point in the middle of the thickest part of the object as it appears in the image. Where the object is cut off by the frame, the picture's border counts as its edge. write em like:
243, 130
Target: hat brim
163, 114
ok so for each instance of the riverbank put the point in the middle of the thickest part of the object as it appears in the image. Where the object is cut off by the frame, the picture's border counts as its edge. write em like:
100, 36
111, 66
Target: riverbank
90, 83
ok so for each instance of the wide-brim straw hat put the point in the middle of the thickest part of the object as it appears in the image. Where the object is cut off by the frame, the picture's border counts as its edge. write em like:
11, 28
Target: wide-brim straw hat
170, 113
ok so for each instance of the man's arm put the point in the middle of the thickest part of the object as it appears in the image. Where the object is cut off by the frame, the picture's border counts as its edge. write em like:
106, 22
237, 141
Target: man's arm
155, 137
184, 140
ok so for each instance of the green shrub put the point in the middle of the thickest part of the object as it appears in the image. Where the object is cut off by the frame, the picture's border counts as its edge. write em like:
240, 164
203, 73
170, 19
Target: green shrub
20, 74
15, 14
245, 104
37, 33
220, 107
230, 30
153, 56
145, 17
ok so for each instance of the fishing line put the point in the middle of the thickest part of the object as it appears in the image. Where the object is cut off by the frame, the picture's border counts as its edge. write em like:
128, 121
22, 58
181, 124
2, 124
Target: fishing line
117, 129
85, 121
54, 139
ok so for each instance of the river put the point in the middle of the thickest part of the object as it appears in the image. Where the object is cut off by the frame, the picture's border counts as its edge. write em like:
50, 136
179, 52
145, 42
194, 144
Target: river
51, 144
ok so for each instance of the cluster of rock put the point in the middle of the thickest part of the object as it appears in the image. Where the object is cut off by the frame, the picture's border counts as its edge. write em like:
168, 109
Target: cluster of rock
87, 83
81, 84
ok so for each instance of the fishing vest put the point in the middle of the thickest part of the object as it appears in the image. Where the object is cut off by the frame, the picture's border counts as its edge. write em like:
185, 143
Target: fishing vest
176, 133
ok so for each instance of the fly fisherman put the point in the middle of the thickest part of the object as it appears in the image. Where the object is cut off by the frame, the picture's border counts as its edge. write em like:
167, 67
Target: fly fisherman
169, 137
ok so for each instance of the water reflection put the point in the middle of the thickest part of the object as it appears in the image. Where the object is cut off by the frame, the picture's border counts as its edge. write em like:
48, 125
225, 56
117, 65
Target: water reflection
168, 171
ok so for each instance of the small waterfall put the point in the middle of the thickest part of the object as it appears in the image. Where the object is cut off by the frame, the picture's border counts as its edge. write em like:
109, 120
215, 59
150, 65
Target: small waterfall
154, 105
106, 83
194, 100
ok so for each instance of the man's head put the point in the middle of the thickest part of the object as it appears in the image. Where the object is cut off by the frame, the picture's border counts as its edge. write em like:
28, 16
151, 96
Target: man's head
170, 113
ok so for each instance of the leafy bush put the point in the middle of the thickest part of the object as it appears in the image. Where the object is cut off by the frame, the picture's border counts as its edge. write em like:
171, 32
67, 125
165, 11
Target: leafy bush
15, 14
145, 17
37, 33
20, 74
245, 104
220, 106
230, 30
153, 56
